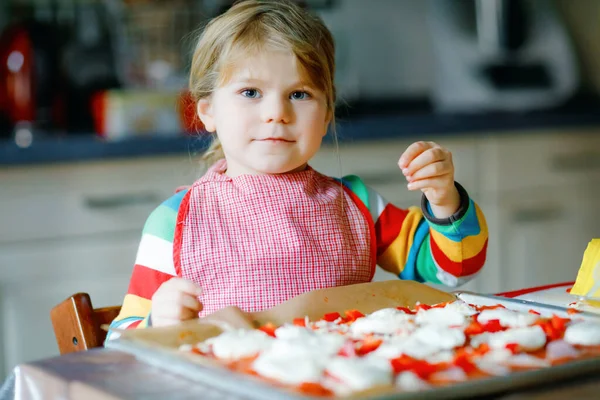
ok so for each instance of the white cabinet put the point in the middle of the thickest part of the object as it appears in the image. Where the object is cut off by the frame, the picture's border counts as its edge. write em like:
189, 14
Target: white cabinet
543, 234
72, 228
539, 193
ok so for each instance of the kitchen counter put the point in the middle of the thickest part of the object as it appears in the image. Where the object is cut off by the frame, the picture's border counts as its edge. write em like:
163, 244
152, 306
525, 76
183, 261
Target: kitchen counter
363, 126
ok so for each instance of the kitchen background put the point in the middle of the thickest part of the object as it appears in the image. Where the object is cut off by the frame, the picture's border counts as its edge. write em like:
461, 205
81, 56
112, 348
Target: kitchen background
96, 130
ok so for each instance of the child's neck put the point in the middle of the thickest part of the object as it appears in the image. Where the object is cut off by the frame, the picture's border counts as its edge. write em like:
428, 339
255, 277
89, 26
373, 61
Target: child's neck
235, 172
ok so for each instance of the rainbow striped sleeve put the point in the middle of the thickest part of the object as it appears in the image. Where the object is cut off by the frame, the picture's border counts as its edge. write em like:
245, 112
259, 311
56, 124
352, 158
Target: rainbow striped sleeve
153, 266
415, 245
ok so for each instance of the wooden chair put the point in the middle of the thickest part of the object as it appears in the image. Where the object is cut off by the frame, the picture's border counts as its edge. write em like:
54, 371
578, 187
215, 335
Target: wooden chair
77, 324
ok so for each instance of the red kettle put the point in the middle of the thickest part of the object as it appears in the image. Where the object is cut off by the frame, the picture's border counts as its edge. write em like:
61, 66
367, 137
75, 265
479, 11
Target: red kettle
30, 75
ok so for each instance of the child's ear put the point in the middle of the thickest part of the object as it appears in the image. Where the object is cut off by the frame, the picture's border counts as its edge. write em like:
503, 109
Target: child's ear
205, 113
328, 119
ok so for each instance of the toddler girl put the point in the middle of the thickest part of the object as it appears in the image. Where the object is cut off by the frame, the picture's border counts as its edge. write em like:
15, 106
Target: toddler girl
261, 226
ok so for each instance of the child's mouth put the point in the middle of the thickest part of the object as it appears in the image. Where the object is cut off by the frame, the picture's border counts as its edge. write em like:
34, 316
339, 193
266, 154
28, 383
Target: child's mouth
276, 140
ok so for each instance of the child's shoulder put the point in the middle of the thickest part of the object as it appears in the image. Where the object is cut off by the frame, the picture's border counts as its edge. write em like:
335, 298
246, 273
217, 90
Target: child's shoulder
174, 202
356, 185
163, 218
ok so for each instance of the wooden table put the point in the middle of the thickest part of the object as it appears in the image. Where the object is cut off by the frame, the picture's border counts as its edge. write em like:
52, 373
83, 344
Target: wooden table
105, 374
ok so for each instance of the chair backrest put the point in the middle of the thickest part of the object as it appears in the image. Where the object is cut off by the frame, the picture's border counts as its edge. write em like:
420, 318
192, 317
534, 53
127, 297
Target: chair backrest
77, 324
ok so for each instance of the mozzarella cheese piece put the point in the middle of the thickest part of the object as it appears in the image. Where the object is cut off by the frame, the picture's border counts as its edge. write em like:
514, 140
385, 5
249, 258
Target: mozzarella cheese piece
462, 308
586, 333
441, 337
424, 343
447, 316
386, 321
507, 318
240, 343
411, 382
361, 373
290, 368
529, 338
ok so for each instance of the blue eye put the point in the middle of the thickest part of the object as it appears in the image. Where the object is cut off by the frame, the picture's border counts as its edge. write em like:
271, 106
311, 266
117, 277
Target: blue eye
250, 93
299, 95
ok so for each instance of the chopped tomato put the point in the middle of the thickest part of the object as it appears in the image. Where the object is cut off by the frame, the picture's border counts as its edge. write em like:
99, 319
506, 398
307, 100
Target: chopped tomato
534, 312
482, 349
494, 307
299, 321
559, 323
314, 389
551, 332
405, 310
513, 347
423, 307
474, 328
268, 328
330, 317
368, 345
422, 368
492, 326
353, 315
463, 362
572, 311
441, 305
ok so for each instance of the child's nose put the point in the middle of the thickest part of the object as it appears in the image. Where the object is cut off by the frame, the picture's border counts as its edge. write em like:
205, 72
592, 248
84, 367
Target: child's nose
276, 111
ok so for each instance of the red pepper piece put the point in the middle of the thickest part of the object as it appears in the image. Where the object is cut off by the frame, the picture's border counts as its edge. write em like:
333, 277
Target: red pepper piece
482, 349
558, 323
474, 328
483, 308
492, 326
463, 362
422, 368
549, 330
299, 321
441, 305
268, 328
353, 315
330, 317
314, 389
513, 347
368, 345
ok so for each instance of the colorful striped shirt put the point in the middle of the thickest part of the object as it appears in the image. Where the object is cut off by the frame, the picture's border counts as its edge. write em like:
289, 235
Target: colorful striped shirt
411, 243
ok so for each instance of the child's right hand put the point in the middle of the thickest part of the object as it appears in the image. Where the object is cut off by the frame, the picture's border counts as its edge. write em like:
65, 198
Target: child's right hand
175, 301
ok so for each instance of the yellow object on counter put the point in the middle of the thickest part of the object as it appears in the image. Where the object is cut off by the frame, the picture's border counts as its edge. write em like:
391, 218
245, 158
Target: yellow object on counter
587, 284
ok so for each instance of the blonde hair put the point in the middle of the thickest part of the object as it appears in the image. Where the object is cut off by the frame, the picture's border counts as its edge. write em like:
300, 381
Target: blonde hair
250, 26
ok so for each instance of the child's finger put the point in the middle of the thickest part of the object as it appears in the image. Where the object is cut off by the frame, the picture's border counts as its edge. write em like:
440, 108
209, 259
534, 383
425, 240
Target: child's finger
190, 302
429, 183
425, 158
432, 170
185, 286
411, 152
186, 313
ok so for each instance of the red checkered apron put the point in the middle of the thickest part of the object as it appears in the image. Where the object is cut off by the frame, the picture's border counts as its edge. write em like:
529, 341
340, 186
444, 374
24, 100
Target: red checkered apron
255, 241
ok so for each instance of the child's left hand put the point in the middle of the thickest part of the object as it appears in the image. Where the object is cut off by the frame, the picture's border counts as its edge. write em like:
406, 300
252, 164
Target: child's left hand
428, 166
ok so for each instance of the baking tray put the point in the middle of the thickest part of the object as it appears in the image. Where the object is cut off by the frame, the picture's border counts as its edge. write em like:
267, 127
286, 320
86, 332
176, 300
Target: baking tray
210, 373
